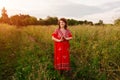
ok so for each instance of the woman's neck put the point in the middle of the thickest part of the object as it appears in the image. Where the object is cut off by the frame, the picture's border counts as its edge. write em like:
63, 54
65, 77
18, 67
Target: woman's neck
62, 28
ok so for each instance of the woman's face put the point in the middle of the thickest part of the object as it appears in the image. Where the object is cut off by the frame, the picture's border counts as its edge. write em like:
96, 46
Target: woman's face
62, 24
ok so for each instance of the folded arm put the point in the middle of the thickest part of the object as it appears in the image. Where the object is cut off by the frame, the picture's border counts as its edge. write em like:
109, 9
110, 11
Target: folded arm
57, 40
68, 38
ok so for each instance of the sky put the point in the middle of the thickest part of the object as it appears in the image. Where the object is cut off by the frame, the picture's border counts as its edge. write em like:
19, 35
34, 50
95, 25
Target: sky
92, 10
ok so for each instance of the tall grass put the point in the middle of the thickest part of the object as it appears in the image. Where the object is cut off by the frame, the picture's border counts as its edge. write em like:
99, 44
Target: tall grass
27, 53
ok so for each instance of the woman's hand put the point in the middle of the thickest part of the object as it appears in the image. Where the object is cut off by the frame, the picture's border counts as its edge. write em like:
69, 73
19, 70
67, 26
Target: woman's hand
55, 39
61, 39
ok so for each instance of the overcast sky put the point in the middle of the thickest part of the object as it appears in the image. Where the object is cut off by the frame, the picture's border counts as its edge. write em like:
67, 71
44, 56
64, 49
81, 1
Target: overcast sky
93, 10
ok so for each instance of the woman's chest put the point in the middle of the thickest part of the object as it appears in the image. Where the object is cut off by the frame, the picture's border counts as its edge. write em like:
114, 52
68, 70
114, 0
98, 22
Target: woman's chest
62, 33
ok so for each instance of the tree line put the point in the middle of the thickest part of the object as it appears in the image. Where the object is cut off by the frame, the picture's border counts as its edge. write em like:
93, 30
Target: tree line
24, 20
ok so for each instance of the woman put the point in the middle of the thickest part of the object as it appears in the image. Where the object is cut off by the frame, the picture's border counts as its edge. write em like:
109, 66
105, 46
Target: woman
61, 37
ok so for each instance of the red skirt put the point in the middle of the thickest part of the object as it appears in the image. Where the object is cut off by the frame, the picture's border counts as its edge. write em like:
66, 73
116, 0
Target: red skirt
61, 55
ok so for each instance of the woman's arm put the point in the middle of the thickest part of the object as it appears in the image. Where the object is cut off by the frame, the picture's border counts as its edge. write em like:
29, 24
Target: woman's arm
69, 38
57, 40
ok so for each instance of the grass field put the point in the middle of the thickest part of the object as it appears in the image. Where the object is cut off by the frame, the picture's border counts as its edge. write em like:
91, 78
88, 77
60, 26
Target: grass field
27, 53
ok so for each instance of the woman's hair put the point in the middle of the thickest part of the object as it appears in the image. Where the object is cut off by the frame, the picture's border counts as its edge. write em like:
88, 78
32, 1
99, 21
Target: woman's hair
64, 20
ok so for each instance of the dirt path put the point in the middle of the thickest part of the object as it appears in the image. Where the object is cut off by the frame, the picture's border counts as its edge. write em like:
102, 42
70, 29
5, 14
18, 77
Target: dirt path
33, 39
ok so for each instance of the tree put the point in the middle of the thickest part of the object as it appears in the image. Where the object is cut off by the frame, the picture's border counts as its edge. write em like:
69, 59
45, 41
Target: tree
48, 21
23, 20
72, 22
100, 22
4, 18
87, 22
117, 22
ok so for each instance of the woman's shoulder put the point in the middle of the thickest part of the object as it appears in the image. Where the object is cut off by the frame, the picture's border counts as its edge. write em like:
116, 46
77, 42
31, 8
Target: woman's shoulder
56, 30
68, 30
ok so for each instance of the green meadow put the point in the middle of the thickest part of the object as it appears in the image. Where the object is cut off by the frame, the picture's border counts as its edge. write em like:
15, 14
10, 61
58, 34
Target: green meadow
26, 53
